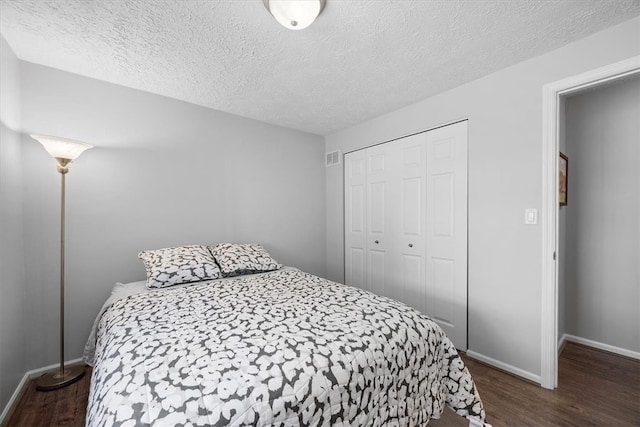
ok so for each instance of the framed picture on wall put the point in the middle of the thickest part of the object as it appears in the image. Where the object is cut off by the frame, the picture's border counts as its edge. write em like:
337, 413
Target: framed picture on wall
563, 180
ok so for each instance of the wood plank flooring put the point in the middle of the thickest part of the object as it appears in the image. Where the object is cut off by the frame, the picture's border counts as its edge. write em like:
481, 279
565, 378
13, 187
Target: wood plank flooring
595, 389
63, 407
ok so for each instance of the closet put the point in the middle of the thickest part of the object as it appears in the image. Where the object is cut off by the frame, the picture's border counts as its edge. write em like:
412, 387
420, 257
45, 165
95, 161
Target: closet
406, 223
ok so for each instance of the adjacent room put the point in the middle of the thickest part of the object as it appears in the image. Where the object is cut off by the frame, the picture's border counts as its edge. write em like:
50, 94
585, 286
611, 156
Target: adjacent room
319, 212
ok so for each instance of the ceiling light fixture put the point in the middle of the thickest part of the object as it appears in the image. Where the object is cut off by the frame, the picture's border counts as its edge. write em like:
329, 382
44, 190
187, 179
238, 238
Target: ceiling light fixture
295, 14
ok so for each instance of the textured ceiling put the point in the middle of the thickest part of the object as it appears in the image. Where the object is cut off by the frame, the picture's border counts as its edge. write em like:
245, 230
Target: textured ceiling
360, 59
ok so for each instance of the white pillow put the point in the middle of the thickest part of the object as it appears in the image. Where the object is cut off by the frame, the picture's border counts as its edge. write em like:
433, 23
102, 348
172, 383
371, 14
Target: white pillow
183, 264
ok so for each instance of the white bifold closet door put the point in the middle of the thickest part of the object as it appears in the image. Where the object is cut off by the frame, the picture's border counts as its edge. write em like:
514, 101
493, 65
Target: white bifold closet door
406, 224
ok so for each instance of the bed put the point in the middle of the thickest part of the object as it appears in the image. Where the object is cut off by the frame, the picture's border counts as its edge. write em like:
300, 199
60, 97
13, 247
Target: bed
277, 348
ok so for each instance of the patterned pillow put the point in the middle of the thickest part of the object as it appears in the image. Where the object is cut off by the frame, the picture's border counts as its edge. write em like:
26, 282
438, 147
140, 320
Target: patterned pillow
173, 266
236, 259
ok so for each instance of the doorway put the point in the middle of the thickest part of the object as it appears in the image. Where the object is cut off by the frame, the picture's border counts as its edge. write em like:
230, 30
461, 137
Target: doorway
599, 235
552, 96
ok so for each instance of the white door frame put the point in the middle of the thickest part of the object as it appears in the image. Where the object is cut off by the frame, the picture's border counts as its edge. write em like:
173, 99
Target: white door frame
549, 219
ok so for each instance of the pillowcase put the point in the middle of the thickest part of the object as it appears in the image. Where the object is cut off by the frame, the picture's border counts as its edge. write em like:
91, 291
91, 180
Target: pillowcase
236, 259
183, 264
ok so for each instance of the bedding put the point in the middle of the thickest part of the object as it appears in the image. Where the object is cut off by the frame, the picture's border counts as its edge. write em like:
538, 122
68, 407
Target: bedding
282, 348
182, 264
237, 259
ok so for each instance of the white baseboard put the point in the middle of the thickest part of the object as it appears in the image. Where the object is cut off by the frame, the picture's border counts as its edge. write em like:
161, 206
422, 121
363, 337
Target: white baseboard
561, 343
504, 366
25, 379
13, 398
601, 346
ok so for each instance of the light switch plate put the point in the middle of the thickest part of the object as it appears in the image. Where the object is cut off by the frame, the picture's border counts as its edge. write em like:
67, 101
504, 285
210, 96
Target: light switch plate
531, 216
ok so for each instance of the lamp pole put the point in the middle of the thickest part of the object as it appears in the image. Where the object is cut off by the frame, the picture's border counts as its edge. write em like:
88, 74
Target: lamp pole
63, 173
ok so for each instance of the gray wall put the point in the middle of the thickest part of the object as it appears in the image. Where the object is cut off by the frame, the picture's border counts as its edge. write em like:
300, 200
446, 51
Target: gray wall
505, 177
12, 281
603, 215
162, 173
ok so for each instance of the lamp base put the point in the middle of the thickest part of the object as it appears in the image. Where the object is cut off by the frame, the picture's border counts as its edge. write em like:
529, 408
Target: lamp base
53, 380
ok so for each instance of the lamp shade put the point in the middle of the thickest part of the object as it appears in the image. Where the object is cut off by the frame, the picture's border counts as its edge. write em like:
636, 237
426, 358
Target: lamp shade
295, 14
62, 148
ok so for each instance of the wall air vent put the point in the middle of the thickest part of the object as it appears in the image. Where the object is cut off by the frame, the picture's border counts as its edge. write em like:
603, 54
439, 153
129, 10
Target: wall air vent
333, 158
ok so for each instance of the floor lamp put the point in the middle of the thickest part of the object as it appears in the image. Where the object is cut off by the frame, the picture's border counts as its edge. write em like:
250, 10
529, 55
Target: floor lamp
64, 151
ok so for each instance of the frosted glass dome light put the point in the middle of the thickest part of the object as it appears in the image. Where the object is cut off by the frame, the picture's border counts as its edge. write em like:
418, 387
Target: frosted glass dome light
62, 148
295, 14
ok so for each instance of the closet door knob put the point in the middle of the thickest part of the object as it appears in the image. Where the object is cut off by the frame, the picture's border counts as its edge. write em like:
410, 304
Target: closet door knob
376, 242
410, 245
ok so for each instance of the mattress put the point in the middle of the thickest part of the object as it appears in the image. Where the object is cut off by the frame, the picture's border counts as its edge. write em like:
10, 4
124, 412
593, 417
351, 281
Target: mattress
284, 348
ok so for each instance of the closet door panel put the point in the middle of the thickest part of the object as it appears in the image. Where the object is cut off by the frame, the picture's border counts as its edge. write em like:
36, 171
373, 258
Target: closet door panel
443, 188
412, 189
412, 285
377, 208
443, 291
380, 195
378, 261
357, 272
446, 252
355, 219
409, 244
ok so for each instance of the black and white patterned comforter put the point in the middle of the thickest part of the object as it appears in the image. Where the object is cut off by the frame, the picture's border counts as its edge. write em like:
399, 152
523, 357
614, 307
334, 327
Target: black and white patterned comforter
284, 348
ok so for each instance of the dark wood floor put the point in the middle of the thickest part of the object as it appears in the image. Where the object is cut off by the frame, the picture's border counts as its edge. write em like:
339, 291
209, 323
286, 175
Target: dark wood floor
62, 407
595, 388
